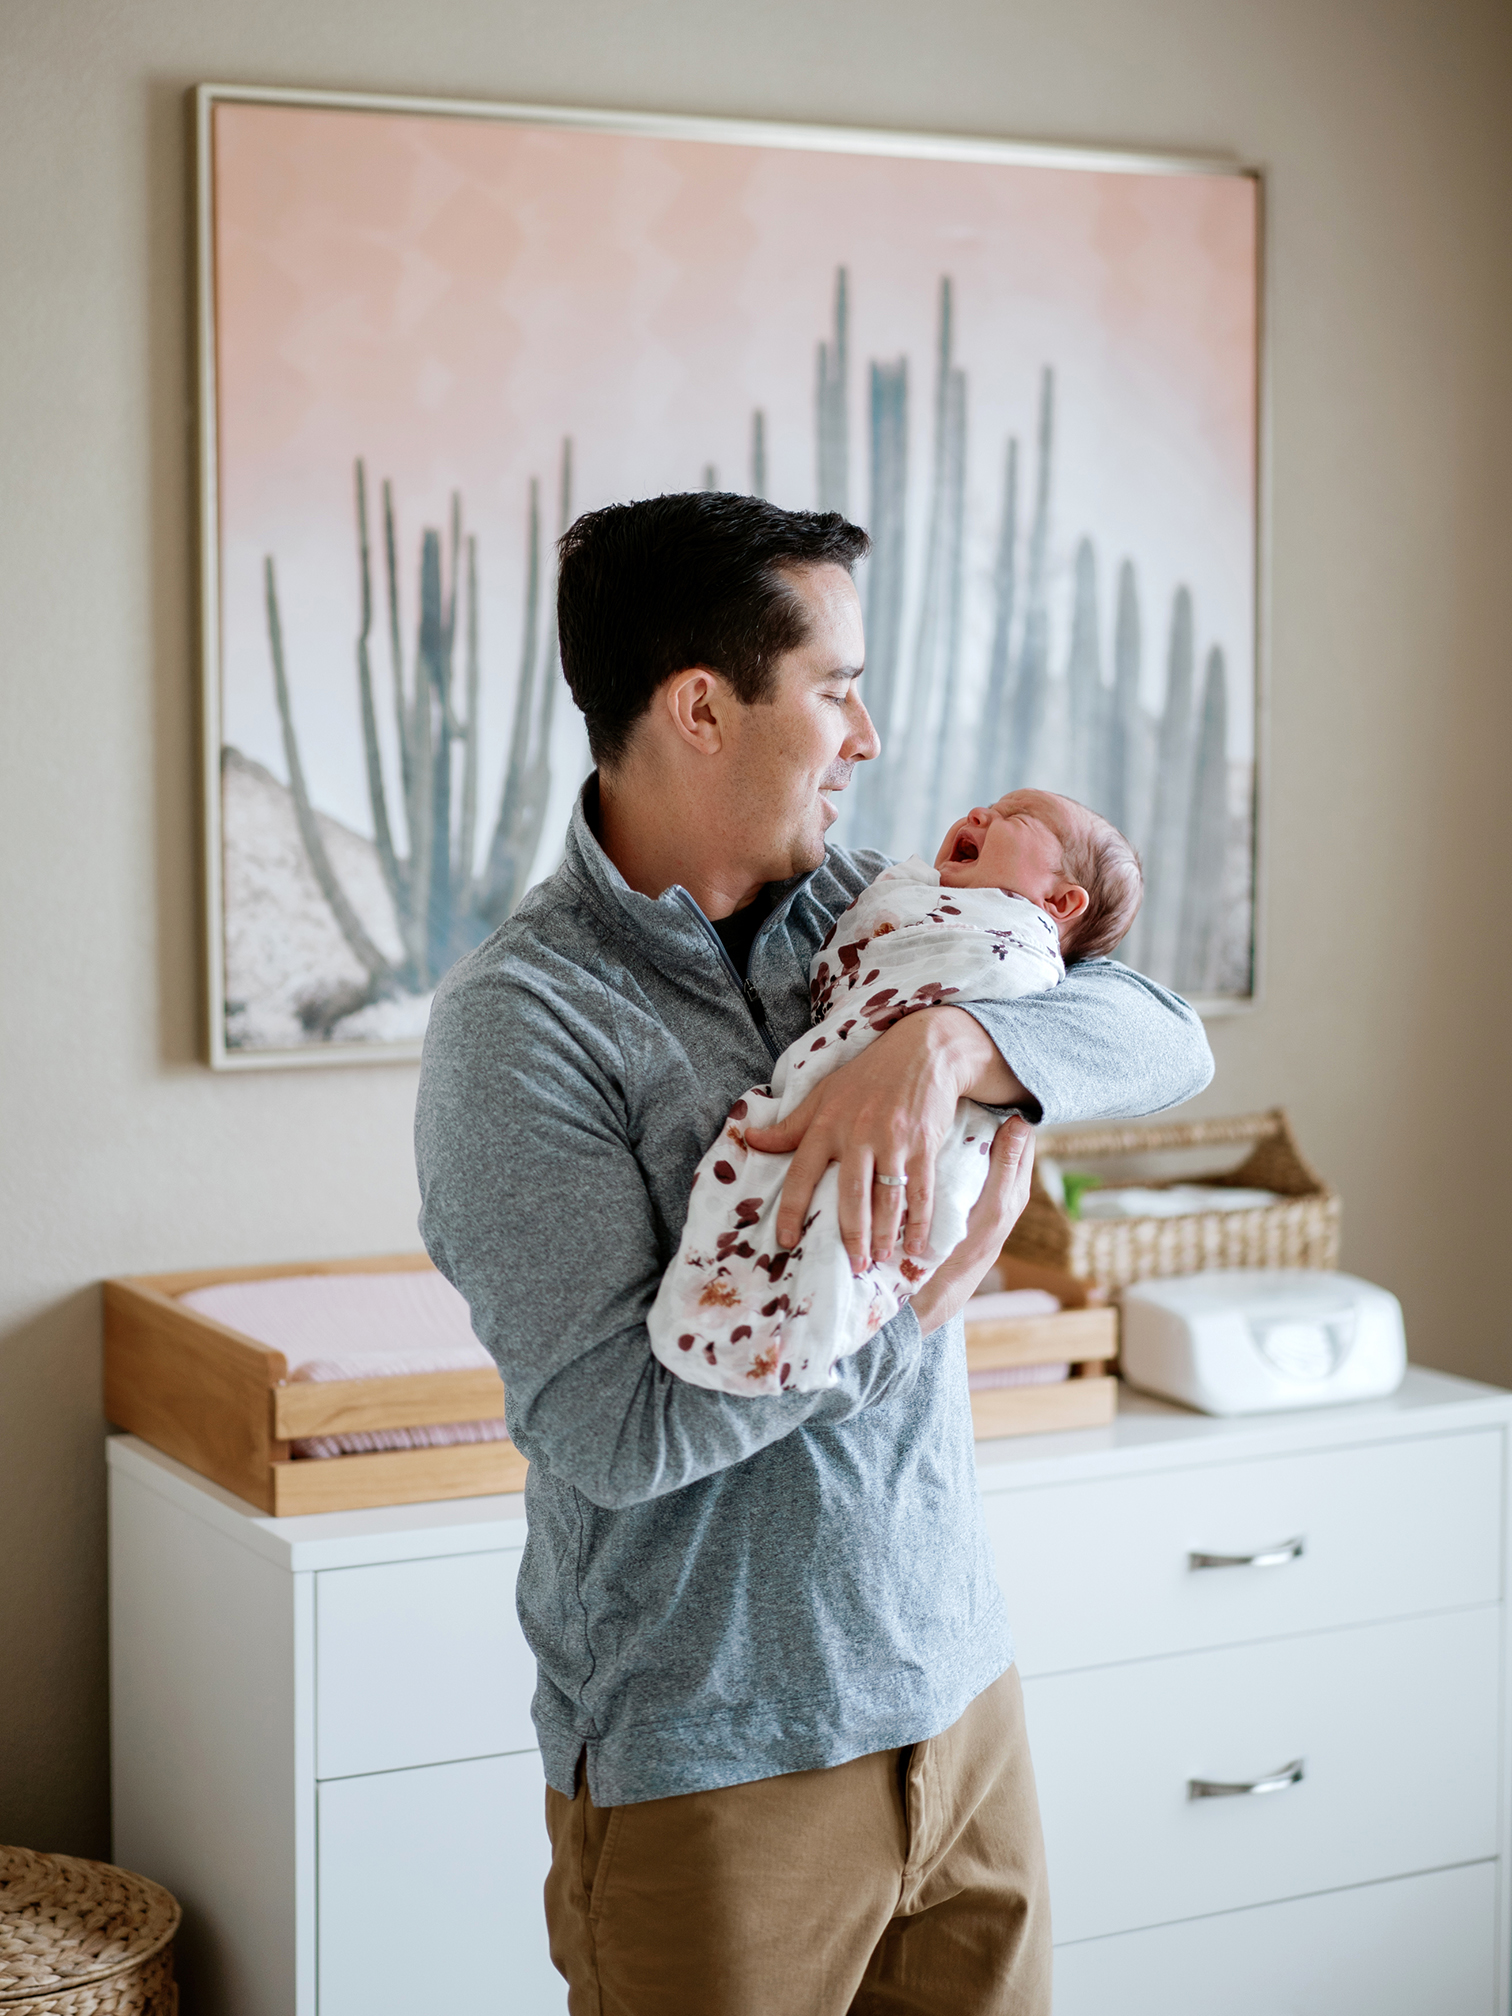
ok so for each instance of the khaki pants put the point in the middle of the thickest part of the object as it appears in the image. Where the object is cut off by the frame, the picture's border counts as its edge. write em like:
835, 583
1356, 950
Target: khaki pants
907, 1881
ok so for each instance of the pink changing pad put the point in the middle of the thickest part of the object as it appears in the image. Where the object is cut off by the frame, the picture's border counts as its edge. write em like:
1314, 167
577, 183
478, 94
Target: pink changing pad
358, 1326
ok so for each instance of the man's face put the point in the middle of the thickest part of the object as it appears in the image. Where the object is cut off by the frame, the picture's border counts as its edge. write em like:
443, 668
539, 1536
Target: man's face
793, 754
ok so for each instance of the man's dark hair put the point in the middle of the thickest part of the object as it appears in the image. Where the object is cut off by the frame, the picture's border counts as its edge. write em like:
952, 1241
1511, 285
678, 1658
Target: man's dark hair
648, 589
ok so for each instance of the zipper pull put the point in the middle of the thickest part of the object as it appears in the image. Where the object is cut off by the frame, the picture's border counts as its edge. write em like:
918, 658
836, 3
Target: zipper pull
753, 1002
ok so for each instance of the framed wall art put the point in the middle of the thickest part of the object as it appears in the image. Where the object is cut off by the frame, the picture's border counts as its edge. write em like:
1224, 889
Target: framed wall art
433, 332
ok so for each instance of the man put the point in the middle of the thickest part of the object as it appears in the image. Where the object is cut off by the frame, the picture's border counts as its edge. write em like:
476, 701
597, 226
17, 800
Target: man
783, 1738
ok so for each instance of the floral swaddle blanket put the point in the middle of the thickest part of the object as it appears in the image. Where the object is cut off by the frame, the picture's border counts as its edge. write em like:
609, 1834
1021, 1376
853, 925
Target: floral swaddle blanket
737, 1313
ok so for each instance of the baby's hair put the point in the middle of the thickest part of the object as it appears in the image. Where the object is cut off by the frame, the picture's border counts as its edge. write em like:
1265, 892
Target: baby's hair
1107, 867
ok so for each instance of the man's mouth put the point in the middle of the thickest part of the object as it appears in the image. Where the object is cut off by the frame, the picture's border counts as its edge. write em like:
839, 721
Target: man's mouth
965, 848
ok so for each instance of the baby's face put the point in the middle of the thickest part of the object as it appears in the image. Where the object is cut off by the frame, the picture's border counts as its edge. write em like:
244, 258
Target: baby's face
1016, 844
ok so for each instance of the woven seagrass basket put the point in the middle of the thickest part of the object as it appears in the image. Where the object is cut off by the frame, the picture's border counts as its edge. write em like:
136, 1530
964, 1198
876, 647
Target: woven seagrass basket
83, 1939
1300, 1230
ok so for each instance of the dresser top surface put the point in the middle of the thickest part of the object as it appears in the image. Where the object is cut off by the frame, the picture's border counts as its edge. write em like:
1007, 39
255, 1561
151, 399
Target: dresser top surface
1150, 1434
1147, 1435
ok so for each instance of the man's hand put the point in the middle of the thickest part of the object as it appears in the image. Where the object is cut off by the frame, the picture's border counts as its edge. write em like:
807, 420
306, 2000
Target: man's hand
887, 1112
1004, 1195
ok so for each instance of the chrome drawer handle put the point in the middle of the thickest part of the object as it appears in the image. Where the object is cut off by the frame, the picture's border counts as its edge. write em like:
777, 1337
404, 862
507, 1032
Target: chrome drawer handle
1268, 1557
1279, 1781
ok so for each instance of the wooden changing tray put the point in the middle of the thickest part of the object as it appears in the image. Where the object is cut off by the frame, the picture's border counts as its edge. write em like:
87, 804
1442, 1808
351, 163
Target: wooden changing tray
225, 1406
1083, 1335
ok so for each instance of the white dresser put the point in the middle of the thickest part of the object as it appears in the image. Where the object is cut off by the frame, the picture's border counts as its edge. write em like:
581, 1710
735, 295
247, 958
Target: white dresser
1356, 1666
322, 1741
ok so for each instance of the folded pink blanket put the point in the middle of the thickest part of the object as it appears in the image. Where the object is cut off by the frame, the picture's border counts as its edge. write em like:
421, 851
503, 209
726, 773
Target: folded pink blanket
1017, 1375
358, 1326
997, 1304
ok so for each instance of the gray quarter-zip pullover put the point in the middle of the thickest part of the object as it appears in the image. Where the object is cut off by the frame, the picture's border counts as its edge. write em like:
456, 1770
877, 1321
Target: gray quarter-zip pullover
716, 1589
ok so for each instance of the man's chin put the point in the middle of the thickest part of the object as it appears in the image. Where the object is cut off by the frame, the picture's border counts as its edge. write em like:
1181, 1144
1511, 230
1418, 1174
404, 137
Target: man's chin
808, 850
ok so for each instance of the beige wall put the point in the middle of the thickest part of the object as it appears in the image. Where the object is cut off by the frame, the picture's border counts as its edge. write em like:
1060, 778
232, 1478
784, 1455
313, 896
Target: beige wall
1387, 131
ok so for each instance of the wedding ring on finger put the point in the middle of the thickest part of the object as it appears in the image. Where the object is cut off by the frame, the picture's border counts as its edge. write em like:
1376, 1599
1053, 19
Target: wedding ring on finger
890, 1182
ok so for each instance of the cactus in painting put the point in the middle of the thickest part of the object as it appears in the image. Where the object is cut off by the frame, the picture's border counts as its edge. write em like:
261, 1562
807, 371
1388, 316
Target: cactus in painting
758, 454
441, 906
992, 754
1084, 679
378, 969
1029, 692
527, 776
1165, 861
937, 644
394, 873
831, 407
873, 783
1121, 782
1198, 941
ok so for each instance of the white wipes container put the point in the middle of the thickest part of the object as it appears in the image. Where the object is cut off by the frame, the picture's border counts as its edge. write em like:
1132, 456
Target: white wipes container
1247, 1340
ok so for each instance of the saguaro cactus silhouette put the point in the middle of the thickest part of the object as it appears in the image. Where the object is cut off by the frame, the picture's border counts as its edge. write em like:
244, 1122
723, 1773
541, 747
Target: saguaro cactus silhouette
888, 521
367, 953
1121, 789
937, 651
527, 776
992, 756
831, 407
1199, 940
441, 906
1033, 674
1084, 677
1165, 864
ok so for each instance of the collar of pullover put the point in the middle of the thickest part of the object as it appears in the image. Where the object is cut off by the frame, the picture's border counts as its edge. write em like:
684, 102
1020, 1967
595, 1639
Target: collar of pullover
653, 916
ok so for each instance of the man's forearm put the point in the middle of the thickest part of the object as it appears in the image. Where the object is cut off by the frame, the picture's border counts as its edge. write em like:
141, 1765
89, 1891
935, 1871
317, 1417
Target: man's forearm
622, 1429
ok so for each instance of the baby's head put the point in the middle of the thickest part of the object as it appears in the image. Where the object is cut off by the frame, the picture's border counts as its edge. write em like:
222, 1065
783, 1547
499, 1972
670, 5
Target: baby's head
1079, 870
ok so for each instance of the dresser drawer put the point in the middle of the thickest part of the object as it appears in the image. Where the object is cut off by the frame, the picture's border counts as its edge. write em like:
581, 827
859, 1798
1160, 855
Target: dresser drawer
430, 1893
1100, 1570
1396, 1725
419, 1662
1424, 1946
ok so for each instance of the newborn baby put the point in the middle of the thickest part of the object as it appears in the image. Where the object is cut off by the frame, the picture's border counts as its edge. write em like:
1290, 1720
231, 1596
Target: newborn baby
1019, 891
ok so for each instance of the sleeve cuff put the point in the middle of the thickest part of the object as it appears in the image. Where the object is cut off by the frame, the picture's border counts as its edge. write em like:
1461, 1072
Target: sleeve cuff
1031, 1106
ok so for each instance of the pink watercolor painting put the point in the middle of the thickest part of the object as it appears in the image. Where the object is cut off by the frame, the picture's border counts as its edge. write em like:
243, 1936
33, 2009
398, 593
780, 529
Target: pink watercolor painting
437, 338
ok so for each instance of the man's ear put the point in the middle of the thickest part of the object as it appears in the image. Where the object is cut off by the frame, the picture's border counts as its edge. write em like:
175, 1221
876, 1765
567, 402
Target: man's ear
1067, 903
696, 703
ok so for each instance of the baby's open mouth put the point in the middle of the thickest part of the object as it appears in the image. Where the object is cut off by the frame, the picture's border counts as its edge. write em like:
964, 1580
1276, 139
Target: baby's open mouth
965, 848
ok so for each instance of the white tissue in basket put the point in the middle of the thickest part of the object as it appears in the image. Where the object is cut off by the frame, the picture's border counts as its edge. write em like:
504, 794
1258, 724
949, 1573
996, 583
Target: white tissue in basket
1247, 1340
1181, 1200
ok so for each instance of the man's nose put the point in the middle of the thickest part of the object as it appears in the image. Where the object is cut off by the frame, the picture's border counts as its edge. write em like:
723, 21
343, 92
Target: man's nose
863, 742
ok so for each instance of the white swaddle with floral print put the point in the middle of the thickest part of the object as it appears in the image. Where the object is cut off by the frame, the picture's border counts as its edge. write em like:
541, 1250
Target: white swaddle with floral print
734, 1311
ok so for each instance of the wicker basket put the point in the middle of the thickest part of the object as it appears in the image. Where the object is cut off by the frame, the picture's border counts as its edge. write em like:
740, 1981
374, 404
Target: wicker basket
83, 1939
1302, 1230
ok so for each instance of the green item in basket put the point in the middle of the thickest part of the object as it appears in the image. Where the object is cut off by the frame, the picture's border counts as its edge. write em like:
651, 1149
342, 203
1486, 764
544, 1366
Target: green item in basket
1077, 1182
